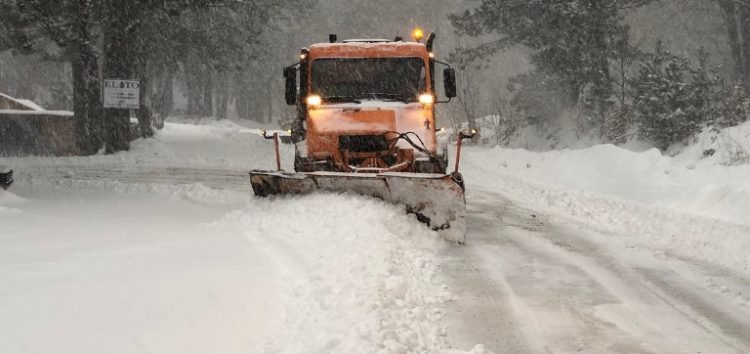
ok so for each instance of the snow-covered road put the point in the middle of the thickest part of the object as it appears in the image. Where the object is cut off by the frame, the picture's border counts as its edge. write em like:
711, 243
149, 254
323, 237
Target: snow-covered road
534, 283
157, 251
91, 271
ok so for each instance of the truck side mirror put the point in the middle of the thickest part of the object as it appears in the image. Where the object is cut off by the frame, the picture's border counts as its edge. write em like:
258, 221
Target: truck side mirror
449, 82
290, 88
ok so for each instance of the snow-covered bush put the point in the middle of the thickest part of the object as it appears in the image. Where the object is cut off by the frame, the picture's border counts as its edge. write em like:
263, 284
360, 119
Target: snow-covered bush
540, 98
730, 105
668, 105
727, 148
617, 122
501, 128
674, 100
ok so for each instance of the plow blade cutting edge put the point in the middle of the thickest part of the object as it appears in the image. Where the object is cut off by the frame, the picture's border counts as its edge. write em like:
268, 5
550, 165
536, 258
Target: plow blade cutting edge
436, 199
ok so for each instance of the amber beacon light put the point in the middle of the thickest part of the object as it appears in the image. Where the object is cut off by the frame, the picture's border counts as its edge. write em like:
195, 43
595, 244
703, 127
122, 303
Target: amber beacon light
417, 34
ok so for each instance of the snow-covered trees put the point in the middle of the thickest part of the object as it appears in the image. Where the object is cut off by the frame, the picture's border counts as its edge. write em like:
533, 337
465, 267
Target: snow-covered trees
572, 43
587, 68
674, 100
668, 103
208, 42
737, 23
71, 26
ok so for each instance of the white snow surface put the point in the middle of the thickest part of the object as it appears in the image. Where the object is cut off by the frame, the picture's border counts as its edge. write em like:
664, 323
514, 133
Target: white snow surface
24, 102
31, 104
90, 265
215, 144
688, 204
97, 265
93, 271
37, 112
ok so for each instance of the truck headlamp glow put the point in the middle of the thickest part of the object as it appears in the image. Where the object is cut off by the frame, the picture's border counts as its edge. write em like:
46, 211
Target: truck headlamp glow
426, 99
314, 100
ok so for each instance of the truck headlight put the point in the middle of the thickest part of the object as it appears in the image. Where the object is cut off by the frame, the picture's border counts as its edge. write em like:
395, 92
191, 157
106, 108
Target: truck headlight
314, 100
426, 99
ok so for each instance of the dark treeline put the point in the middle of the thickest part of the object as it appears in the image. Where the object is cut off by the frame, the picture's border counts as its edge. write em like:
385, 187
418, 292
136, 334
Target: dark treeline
660, 70
209, 43
585, 63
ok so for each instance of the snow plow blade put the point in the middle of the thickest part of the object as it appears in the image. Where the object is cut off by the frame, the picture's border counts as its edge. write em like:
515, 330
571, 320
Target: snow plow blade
436, 199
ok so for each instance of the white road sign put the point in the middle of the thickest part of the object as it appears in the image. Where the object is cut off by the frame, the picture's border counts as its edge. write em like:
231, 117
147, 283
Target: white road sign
121, 93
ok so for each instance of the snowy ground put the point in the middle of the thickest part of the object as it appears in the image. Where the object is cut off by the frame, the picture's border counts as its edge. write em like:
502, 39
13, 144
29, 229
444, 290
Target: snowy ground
163, 249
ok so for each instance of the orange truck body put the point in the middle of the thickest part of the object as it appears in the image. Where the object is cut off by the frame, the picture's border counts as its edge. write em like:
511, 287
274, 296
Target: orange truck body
364, 134
366, 125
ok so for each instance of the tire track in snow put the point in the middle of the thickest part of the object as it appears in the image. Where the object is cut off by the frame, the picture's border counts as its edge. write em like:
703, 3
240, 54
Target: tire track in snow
568, 294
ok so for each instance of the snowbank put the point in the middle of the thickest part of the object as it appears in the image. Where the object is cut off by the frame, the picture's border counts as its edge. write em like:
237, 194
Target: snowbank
561, 134
96, 265
725, 147
689, 204
125, 273
686, 184
7, 202
359, 275
184, 270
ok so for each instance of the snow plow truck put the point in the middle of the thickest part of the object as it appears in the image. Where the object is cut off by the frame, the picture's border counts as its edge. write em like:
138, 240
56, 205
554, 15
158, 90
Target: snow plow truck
366, 125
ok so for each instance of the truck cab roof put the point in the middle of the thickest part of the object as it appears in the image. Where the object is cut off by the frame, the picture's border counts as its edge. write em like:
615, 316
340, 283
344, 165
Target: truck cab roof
373, 40
368, 48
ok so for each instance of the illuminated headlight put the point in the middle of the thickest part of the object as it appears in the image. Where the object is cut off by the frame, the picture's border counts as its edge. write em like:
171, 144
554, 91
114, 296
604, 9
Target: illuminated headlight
426, 99
314, 100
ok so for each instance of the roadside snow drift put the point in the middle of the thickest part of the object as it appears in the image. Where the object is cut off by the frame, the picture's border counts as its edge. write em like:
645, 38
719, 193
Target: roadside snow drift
164, 249
164, 265
359, 275
94, 271
693, 204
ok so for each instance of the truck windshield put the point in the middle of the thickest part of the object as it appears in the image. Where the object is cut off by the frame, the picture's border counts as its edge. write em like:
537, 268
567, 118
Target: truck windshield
350, 79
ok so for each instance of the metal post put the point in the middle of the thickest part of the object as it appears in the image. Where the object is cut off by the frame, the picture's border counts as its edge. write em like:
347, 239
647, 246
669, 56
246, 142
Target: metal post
275, 138
276, 147
458, 151
461, 137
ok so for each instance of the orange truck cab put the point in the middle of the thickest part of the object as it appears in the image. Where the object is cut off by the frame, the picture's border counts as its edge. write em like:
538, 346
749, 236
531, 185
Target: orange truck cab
367, 106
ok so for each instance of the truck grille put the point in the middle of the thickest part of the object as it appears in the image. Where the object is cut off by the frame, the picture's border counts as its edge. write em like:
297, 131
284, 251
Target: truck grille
363, 143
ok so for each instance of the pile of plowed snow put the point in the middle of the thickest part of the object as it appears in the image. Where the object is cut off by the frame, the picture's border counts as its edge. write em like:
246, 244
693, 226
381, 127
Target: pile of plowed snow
359, 275
98, 265
695, 203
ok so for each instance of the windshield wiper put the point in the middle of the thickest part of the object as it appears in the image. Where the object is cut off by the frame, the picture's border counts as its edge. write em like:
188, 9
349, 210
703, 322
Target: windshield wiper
390, 96
342, 99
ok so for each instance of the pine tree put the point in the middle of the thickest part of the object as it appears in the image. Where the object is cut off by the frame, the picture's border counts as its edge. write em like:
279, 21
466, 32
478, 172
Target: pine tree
145, 40
668, 105
71, 26
572, 41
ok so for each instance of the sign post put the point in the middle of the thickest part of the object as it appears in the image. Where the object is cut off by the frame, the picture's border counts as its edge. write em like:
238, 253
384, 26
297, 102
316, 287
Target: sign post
123, 94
